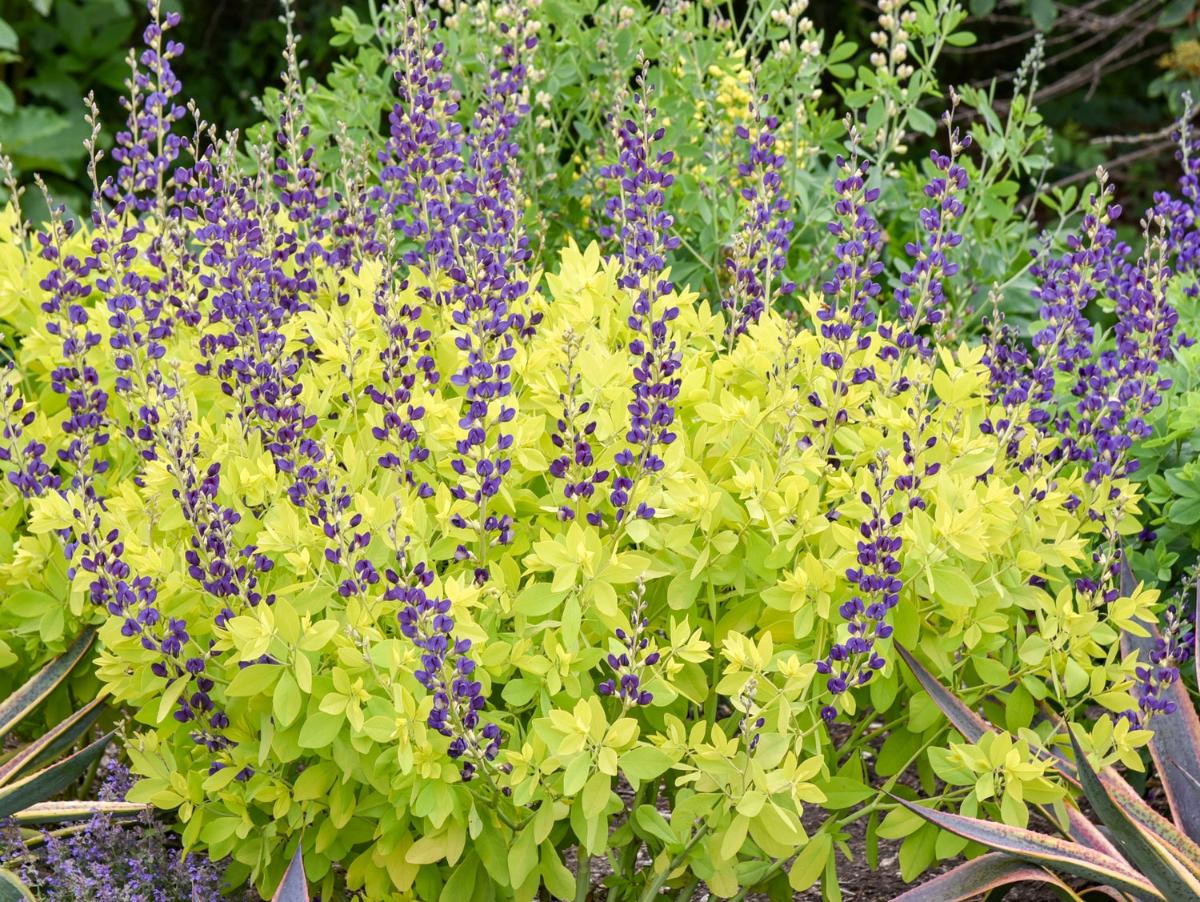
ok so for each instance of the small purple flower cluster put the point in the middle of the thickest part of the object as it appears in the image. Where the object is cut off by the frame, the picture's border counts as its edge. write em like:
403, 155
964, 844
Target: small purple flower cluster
146, 150
920, 297
573, 436
447, 670
1172, 649
641, 226
112, 860
847, 316
1182, 214
30, 474
761, 246
629, 666
876, 577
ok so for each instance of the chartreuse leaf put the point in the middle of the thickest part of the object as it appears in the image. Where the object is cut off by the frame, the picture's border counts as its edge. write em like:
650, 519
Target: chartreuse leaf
293, 887
1048, 851
49, 781
50, 743
1141, 845
978, 876
13, 889
14, 708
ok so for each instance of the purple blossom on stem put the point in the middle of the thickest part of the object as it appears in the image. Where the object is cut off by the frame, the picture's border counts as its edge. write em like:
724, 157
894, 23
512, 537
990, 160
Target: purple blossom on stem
146, 150
573, 436
641, 227
1182, 213
1155, 677
876, 578
630, 664
847, 315
447, 670
761, 244
489, 249
921, 295
28, 471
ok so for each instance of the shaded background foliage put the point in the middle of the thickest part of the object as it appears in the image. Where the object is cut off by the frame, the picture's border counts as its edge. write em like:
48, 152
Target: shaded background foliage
1115, 75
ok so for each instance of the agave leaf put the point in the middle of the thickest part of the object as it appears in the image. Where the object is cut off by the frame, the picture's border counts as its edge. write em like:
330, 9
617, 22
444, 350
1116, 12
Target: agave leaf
962, 718
49, 781
1084, 832
14, 708
1140, 845
293, 887
1181, 846
51, 743
13, 888
57, 812
978, 876
1047, 851
1175, 747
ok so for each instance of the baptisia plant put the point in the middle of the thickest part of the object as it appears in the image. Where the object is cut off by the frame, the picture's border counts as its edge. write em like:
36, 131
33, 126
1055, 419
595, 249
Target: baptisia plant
447, 570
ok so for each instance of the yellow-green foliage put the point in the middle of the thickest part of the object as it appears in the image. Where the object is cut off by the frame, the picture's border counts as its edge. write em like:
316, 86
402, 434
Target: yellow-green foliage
742, 569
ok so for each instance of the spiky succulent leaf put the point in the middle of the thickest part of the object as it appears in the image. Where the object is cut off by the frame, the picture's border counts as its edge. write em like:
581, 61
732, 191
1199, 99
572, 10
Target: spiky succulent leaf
58, 812
1140, 845
13, 889
962, 718
1046, 851
978, 876
293, 887
18, 705
49, 744
40, 786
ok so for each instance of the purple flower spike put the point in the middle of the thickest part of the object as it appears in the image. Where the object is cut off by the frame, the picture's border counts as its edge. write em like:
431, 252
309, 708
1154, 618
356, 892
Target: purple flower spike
630, 665
641, 228
761, 246
876, 578
446, 669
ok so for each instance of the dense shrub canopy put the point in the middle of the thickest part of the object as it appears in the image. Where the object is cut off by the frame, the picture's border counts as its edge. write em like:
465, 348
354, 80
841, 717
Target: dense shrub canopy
412, 544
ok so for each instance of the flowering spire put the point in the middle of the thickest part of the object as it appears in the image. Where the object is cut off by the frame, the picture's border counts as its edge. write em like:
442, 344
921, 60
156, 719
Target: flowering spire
1182, 214
147, 149
641, 228
573, 437
920, 297
490, 248
877, 583
630, 664
761, 244
846, 317
447, 669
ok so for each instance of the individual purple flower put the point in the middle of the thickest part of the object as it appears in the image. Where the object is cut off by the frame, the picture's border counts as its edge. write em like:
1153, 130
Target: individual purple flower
640, 227
630, 664
573, 436
877, 586
761, 244
447, 670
